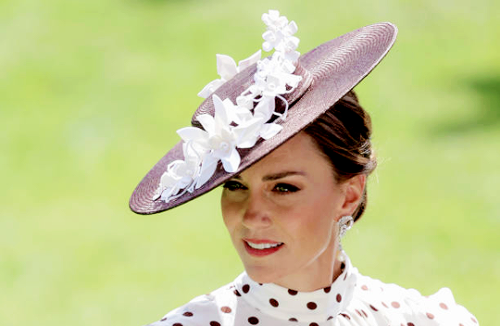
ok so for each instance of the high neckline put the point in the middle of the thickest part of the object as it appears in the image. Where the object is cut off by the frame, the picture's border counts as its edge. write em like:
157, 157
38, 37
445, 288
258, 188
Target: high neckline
288, 304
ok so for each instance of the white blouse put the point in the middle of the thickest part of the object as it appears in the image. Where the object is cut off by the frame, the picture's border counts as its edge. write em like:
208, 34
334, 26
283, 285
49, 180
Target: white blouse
353, 299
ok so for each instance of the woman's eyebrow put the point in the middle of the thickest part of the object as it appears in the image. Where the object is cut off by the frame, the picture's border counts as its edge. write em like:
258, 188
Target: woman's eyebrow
280, 175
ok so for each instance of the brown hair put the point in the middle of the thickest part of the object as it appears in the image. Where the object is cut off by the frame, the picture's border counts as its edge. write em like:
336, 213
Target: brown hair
343, 136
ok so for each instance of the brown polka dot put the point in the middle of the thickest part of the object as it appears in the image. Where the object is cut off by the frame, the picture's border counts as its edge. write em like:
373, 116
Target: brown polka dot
473, 319
364, 313
327, 289
237, 293
429, 315
410, 324
395, 304
359, 313
163, 319
274, 302
177, 324
313, 324
188, 314
460, 324
246, 288
214, 323
292, 292
293, 319
260, 284
253, 320
225, 309
329, 318
345, 276
444, 306
383, 304
339, 297
346, 316
373, 308
312, 305
364, 287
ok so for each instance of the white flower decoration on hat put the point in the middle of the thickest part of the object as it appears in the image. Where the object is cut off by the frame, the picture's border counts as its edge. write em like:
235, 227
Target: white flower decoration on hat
237, 125
227, 69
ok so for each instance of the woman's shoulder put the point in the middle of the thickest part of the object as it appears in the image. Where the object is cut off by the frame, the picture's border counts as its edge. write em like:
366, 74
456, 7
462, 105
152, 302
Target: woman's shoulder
210, 309
397, 305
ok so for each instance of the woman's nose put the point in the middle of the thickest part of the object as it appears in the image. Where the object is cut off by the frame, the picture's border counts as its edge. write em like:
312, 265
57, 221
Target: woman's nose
257, 213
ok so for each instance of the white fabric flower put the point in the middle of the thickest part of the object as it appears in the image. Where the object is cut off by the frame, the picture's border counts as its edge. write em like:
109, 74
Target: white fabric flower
217, 138
180, 174
227, 69
279, 34
274, 21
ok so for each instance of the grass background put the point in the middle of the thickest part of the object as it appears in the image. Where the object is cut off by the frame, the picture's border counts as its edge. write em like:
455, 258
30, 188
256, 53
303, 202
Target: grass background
91, 93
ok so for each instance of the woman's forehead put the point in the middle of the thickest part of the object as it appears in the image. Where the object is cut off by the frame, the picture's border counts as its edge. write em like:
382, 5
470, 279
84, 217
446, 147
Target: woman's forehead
298, 156
298, 148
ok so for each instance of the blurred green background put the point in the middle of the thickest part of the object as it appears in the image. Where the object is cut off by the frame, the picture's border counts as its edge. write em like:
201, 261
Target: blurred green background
91, 93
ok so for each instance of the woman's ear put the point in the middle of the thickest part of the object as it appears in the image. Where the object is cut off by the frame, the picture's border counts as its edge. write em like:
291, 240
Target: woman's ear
353, 191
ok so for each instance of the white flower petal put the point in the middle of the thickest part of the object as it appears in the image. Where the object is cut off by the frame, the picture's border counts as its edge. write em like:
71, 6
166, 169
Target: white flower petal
208, 122
245, 102
226, 67
232, 163
207, 170
168, 180
194, 151
165, 195
269, 130
222, 116
242, 114
265, 108
158, 192
210, 88
269, 36
292, 27
249, 61
192, 133
266, 46
247, 134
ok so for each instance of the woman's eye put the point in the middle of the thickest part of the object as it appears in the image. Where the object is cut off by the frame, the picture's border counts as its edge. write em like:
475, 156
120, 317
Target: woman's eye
233, 185
284, 188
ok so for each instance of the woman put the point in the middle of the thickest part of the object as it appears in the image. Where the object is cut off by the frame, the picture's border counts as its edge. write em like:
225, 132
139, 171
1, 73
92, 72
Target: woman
289, 141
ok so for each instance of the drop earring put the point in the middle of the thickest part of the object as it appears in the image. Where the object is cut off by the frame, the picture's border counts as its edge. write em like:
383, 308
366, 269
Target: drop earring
345, 223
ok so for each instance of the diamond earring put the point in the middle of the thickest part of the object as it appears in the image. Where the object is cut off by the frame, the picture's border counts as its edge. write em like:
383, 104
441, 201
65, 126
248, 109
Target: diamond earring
345, 224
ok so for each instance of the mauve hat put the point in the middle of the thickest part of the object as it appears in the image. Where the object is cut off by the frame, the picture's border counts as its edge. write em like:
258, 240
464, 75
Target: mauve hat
327, 73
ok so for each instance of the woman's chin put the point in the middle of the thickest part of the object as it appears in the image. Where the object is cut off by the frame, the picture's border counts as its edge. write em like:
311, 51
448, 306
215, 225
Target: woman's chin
262, 274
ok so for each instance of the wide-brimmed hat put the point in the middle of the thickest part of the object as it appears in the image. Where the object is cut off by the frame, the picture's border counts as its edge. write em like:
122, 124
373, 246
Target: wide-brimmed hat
192, 167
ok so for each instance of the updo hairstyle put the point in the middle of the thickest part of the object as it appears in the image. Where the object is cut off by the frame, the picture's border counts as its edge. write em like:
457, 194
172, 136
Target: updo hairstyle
343, 135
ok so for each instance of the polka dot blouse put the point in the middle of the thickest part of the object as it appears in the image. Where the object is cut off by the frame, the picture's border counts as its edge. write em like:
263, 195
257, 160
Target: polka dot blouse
353, 299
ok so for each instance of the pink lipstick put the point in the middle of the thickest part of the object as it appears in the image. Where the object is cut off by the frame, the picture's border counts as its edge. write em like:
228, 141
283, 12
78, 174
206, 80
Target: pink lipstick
259, 248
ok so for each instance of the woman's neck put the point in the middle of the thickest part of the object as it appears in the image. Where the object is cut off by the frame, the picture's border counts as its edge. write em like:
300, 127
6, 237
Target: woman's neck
316, 276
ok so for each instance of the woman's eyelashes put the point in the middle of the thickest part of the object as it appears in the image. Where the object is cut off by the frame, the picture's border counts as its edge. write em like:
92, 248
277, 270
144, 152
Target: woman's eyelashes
285, 188
234, 185
279, 188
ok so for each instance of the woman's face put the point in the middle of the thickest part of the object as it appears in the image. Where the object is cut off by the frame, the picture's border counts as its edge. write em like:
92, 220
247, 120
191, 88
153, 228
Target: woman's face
282, 215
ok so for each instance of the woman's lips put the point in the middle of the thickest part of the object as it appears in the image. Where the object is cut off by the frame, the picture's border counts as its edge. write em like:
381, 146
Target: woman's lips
261, 248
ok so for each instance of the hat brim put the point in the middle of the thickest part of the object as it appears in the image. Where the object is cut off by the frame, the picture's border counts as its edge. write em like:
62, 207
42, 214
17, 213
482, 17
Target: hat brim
336, 67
